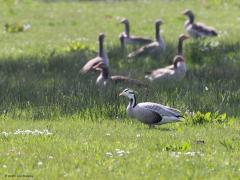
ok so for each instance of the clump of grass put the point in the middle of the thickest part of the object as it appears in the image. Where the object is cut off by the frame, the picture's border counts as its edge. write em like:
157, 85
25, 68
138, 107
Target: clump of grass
74, 46
199, 118
178, 147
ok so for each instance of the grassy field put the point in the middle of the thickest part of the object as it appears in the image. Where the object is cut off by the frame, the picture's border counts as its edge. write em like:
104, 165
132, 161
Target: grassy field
56, 124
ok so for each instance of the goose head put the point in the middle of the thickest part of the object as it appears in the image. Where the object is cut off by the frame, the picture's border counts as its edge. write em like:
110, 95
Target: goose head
179, 61
127, 93
189, 14
158, 22
101, 37
124, 21
127, 26
183, 37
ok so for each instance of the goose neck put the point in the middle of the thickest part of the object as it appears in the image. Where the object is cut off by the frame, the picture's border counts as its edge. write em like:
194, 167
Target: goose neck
101, 50
127, 29
105, 73
180, 47
133, 101
157, 33
191, 18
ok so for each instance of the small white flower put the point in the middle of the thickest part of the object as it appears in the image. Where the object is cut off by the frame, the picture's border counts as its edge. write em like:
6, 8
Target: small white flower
206, 88
138, 135
40, 163
4, 166
109, 154
120, 154
108, 134
4, 133
50, 157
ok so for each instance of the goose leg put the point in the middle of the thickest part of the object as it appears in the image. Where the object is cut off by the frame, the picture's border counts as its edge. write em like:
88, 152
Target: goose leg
151, 126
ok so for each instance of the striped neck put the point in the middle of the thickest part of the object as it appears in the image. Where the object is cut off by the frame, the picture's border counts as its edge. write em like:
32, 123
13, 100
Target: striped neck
133, 101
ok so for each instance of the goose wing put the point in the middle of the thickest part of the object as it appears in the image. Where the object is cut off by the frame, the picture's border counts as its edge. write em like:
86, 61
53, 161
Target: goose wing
161, 73
140, 40
125, 79
145, 49
160, 109
91, 64
204, 30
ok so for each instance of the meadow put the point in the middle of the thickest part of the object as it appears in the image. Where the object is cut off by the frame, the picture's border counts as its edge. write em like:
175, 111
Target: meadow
56, 124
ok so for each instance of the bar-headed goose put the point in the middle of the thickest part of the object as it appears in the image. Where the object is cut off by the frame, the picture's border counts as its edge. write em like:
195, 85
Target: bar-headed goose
148, 112
102, 57
105, 78
177, 70
196, 30
158, 44
126, 38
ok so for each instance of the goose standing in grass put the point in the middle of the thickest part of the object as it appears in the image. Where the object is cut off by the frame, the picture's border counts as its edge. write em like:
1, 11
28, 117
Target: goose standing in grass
157, 45
104, 78
148, 112
126, 38
176, 71
102, 57
197, 30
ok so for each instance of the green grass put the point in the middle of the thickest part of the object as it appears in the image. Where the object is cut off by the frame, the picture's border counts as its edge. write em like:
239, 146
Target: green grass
41, 88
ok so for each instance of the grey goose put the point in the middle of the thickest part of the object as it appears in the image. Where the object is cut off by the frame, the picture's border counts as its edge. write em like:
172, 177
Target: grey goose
158, 44
126, 38
197, 30
148, 112
102, 57
105, 78
176, 71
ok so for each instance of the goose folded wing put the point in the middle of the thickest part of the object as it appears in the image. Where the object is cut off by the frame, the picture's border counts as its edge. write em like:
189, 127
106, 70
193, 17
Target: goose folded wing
91, 65
202, 28
141, 39
160, 109
145, 49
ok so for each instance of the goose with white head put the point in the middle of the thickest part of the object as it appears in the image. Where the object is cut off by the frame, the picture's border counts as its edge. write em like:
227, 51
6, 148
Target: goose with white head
102, 57
157, 45
126, 38
177, 70
148, 112
196, 30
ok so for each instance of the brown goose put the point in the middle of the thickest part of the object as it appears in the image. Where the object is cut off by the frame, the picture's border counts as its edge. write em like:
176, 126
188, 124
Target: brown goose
158, 44
126, 38
104, 78
176, 71
102, 57
196, 30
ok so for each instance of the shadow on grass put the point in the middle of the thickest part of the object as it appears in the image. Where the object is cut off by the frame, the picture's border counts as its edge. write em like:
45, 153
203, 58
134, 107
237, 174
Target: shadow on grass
44, 86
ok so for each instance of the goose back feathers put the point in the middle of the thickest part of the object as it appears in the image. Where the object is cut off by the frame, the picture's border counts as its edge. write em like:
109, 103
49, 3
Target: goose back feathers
196, 30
